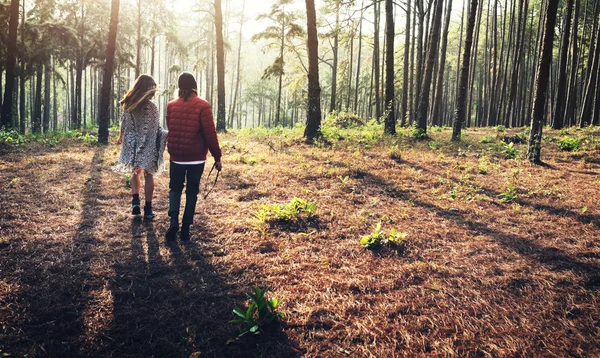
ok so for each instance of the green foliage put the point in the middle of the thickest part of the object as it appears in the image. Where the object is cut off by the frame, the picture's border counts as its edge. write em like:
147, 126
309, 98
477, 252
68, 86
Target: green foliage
569, 144
434, 145
564, 131
419, 133
500, 129
510, 151
260, 313
485, 140
295, 210
377, 238
343, 120
11, 136
509, 195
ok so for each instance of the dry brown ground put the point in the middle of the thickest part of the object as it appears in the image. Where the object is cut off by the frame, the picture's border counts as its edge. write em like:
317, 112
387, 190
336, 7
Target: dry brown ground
481, 277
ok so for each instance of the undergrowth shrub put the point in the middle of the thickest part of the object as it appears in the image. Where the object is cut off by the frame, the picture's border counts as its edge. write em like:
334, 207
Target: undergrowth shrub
419, 133
569, 144
510, 152
297, 211
343, 120
11, 136
259, 313
377, 239
509, 195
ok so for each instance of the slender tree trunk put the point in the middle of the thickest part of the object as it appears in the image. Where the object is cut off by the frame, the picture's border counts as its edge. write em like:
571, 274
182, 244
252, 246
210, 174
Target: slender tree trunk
558, 120
376, 61
359, 58
105, 97
336, 41
54, 101
590, 92
461, 99
437, 106
428, 73
390, 118
152, 54
37, 116
221, 121
572, 93
313, 113
541, 84
11, 62
405, 79
138, 42
239, 56
46, 114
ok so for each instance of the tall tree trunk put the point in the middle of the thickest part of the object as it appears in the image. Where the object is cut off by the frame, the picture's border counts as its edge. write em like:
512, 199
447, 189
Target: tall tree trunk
336, 41
37, 113
590, 92
558, 120
11, 62
54, 101
105, 97
571, 104
461, 98
138, 41
313, 113
239, 56
221, 121
428, 73
152, 55
437, 105
376, 61
405, 78
541, 84
46, 114
390, 118
359, 58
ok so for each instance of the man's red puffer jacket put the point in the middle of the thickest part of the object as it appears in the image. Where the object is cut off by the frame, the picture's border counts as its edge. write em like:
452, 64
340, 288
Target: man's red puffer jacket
191, 130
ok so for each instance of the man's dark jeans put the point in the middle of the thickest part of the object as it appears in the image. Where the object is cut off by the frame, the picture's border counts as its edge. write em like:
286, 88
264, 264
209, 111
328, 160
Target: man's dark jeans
178, 175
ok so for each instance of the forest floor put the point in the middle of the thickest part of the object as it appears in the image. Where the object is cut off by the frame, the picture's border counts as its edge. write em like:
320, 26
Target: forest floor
501, 258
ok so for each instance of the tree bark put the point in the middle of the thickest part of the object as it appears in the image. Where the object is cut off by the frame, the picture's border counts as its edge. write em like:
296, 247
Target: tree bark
336, 40
221, 121
437, 105
558, 120
376, 61
11, 62
313, 113
541, 85
105, 97
46, 114
461, 98
390, 115
428, 72
405, 78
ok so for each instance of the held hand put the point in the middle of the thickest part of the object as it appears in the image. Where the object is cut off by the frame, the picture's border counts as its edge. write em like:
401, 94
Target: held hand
218, 165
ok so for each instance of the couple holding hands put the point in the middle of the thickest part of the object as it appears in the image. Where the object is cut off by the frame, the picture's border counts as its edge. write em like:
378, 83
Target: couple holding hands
191, 134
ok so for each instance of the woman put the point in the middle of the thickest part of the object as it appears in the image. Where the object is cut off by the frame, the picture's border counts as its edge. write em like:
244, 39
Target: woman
143, 141
191, 135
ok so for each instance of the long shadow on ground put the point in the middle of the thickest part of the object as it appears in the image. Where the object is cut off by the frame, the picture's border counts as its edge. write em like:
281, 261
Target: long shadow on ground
173, 302
56, 281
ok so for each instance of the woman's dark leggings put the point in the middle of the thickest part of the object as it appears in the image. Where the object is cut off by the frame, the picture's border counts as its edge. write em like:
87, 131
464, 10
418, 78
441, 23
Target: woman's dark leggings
179, 173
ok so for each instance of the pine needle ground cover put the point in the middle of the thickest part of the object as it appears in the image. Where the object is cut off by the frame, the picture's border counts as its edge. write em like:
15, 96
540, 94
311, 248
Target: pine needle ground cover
499, 258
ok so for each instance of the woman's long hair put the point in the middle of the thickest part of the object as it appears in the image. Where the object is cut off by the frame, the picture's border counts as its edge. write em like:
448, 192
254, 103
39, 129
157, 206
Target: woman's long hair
185, 94
142, 91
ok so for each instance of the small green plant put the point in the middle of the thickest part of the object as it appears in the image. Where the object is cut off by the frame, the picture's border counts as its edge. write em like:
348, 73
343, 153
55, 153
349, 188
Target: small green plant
295, 210
509, 195
377, 238
11, 137
564, 131
510, 151
569, 144
434, 144
260, 313
485, 140
419, 133
500, 129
